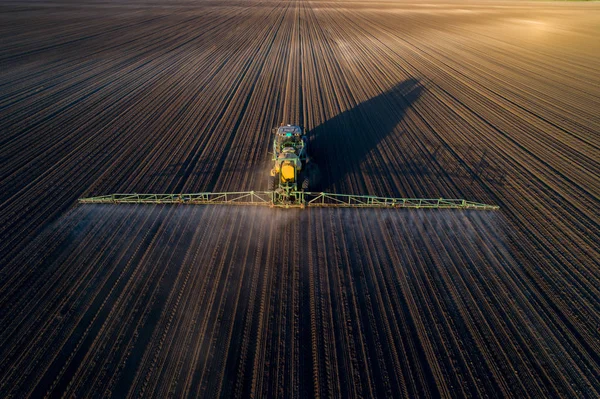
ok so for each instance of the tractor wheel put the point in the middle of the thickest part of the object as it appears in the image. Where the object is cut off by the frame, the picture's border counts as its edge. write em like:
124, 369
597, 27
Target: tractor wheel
305, 183
273, 182
312, 174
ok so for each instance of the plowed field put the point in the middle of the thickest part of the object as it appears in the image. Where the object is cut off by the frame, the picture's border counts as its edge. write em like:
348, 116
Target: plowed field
491, 101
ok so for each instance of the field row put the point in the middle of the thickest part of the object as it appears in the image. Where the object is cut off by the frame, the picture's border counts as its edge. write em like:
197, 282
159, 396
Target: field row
330, 302
482, 102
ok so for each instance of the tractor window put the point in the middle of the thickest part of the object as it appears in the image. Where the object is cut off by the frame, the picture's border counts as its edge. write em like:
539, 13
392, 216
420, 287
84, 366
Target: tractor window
286, 140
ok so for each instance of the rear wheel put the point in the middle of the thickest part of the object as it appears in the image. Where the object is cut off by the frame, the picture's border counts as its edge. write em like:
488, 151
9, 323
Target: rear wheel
312, 176
273, 182
305, 183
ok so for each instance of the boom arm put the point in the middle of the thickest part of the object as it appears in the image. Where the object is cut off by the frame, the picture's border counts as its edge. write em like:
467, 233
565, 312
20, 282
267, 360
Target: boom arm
272, 199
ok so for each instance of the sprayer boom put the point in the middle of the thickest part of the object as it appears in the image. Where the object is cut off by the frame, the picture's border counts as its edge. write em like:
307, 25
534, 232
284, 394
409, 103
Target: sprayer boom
295, 199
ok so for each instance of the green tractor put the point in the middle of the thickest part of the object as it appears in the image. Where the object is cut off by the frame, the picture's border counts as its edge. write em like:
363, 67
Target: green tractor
289, 175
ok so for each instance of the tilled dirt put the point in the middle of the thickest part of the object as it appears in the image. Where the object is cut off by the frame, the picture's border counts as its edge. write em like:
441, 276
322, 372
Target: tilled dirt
495, 102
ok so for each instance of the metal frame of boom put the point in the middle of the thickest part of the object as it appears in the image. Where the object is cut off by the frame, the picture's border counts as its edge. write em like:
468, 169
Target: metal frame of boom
302, 199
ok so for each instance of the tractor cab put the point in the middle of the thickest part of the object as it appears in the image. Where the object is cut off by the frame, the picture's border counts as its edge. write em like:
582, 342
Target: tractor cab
289, 136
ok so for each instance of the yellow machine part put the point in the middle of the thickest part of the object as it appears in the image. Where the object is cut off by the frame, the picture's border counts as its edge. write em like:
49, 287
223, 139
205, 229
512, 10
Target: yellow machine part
287, 172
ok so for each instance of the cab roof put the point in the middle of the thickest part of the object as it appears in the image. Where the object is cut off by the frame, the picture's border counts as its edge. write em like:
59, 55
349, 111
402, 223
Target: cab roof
293, 129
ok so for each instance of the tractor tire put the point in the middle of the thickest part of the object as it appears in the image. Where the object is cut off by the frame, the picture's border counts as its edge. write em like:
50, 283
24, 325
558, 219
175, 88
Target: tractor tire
273, 182
305, 183
313, 175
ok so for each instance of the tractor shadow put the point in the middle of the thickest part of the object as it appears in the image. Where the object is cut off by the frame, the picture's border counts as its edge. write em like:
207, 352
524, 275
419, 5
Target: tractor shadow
339, 145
